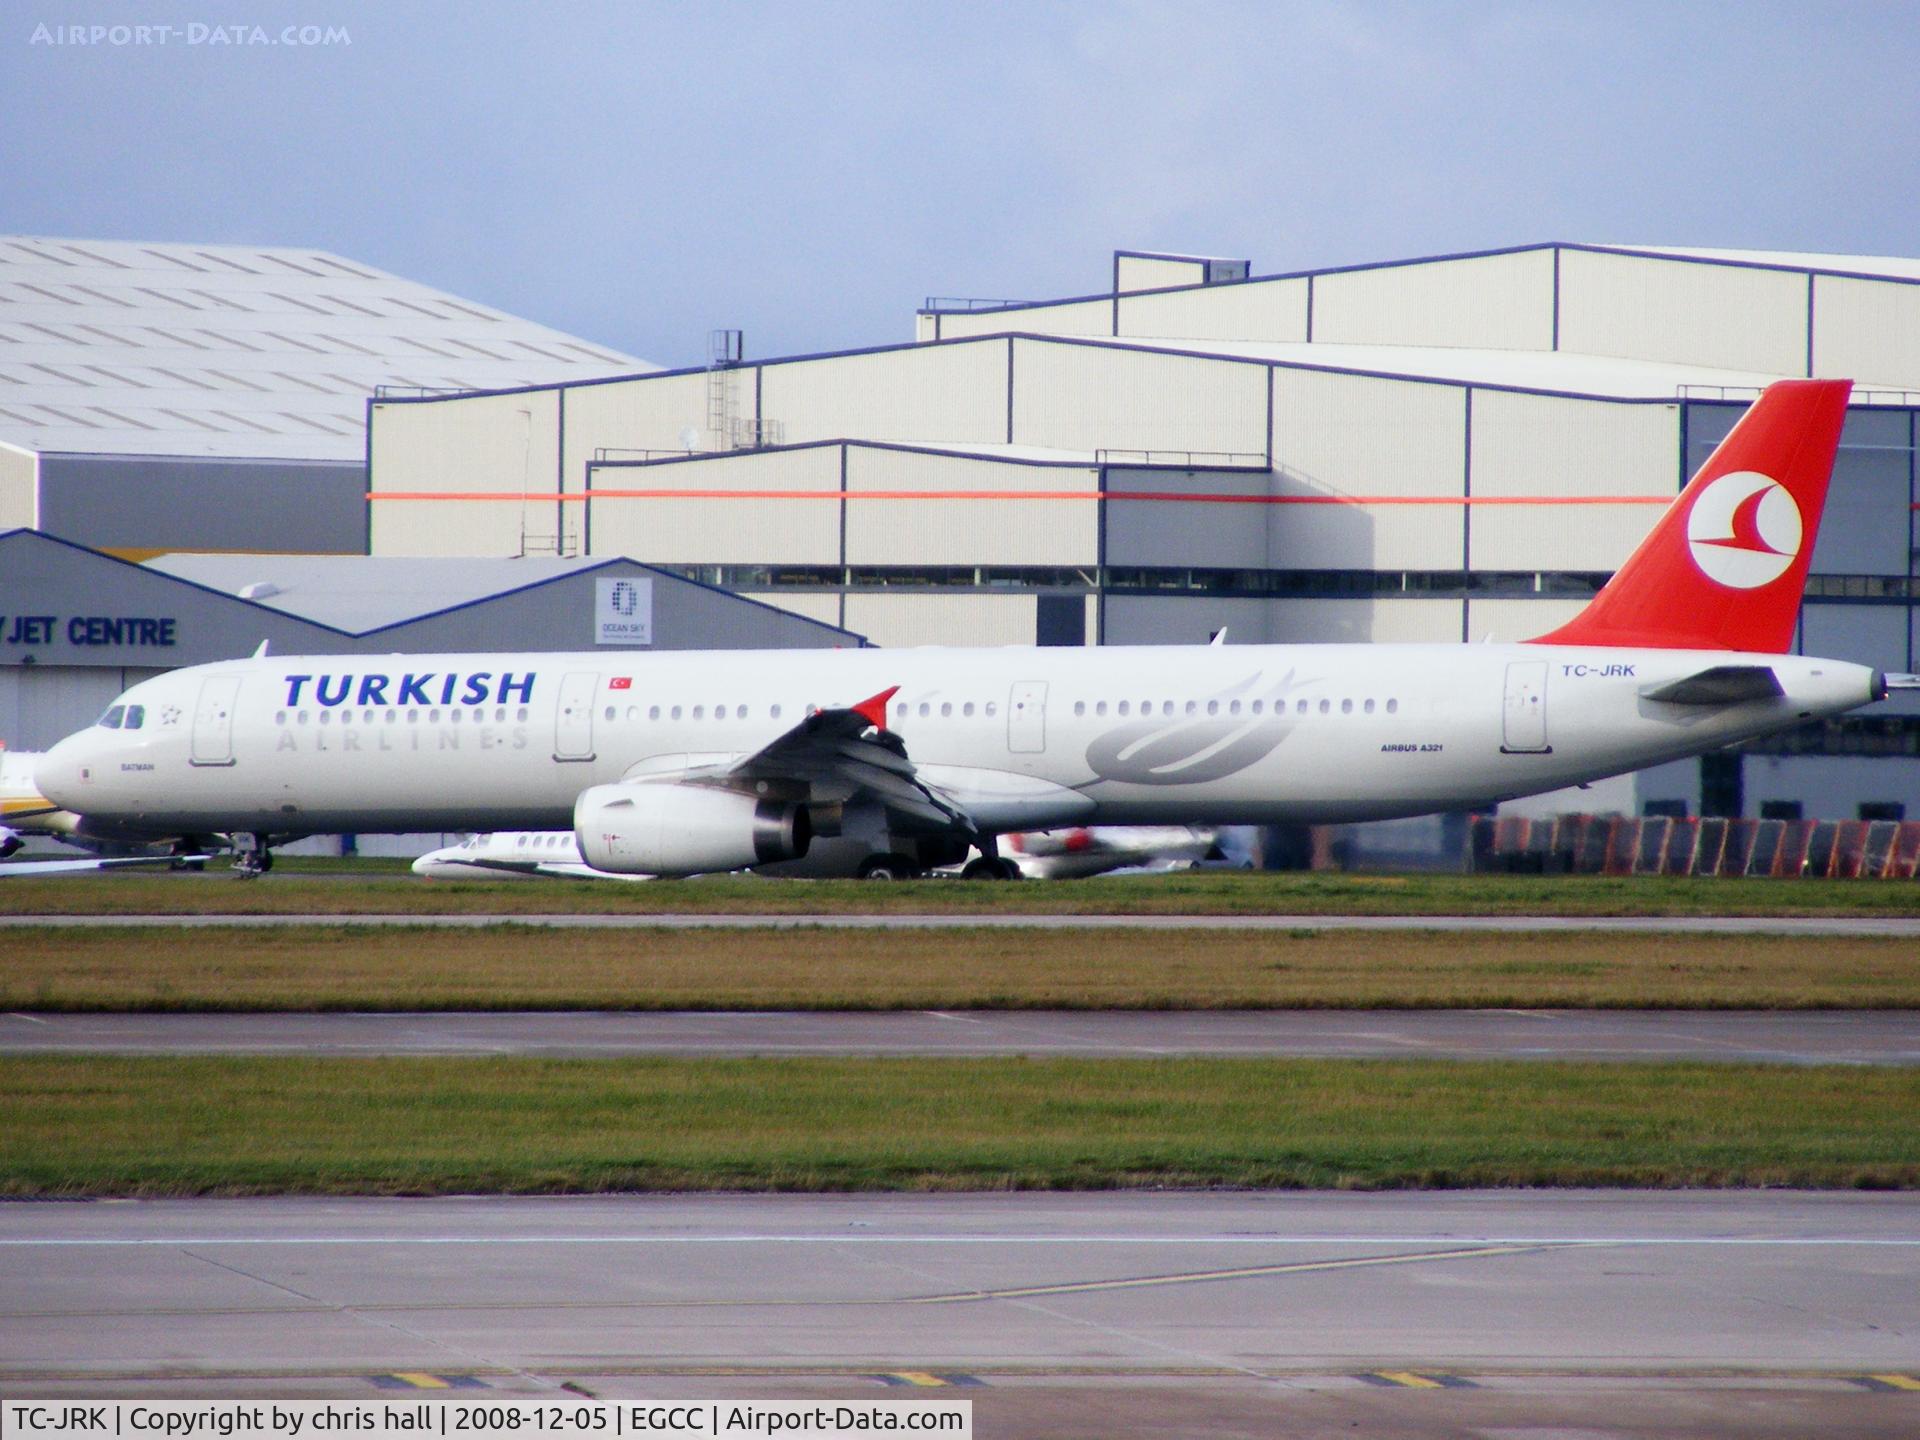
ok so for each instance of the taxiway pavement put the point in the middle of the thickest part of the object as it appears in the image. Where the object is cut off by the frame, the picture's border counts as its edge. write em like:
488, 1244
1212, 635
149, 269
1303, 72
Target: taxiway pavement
1825, 1037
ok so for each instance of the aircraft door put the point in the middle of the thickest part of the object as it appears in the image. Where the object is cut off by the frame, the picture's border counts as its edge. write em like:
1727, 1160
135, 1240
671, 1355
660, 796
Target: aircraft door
573, 724
1027, 717
213, 720
1524, 720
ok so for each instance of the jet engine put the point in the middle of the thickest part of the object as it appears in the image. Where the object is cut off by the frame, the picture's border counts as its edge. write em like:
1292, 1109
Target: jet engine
670, 829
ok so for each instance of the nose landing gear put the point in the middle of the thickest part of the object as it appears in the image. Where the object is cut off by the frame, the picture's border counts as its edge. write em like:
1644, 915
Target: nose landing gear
251, 856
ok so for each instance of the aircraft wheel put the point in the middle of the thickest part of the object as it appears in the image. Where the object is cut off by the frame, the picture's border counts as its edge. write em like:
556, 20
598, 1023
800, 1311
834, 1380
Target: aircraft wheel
990, 867
888, 867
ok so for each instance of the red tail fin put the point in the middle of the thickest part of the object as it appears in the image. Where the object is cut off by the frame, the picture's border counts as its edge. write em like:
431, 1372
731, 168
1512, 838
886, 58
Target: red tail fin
1725, 567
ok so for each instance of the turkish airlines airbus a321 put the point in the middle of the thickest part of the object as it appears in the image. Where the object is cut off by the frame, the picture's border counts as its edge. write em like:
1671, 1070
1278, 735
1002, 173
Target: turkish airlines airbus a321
680, 763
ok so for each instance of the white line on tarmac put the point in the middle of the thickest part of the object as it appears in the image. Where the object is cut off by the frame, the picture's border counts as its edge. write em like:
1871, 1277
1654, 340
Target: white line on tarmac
1762, 1241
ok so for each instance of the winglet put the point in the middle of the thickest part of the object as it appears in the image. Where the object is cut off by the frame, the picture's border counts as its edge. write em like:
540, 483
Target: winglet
874, 709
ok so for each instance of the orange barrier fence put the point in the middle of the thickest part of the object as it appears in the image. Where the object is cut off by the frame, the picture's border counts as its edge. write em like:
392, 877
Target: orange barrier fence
1662, 845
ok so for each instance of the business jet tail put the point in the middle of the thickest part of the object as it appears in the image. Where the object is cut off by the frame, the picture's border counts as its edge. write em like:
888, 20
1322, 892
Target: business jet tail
1725, 567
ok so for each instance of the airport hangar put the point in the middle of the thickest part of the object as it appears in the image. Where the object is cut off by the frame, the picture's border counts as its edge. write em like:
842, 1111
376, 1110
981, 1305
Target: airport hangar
1439, 449
160, 398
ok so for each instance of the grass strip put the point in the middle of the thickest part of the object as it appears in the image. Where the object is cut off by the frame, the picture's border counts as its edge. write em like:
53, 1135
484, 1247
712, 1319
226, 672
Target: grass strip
523, 968
110, 1126
347, 887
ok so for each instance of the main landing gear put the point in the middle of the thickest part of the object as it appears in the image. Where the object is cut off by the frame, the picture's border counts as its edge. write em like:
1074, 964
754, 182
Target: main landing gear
251, 857
989, 865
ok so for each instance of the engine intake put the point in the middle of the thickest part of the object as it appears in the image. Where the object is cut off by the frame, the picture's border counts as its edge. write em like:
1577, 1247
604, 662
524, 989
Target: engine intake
669, 829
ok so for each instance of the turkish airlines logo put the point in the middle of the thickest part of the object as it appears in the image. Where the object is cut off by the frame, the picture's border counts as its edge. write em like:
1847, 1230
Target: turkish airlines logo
1744, 530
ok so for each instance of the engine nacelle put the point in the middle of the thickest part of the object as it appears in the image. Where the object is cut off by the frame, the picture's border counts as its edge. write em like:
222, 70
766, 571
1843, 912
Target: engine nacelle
668, 829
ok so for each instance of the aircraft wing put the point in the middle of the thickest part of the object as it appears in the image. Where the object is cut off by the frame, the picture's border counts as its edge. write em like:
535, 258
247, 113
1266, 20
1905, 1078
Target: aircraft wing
844, 755
43, 868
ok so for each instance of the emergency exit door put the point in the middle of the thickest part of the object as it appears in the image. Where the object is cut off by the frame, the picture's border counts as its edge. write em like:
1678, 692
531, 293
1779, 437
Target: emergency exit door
213, 720
1524, 724
1027, 717
573, 723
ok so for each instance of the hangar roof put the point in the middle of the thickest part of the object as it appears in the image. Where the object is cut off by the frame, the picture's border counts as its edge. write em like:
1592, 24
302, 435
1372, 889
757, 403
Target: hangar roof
1891, 267
358, 593
124, 347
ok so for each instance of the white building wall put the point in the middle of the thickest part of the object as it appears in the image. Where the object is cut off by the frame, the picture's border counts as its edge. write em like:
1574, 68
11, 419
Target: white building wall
707, 530
1088, 397
648, 413
1687, 312
1365, 622
1153, 272
815, 606
899, 620
1273, 310
1867, 331
1073, 317
1001, 528
1494, 302
1340, 438
19, 489
484, 444
1510, 621
930, 393
1533, 447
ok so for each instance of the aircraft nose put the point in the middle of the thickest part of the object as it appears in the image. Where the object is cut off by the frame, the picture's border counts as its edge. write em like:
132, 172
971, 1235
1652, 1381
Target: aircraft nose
65, 772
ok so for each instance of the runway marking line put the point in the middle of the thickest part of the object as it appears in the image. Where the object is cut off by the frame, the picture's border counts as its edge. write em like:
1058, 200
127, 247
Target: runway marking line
1194, 1277
1888, 1382
1415, 1380
421, 1380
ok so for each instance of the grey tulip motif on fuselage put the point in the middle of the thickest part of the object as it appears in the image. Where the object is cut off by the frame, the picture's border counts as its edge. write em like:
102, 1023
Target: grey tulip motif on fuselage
1191, 749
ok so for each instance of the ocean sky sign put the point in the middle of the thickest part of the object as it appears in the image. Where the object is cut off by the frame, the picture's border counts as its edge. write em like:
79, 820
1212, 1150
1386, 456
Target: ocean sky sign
623, 612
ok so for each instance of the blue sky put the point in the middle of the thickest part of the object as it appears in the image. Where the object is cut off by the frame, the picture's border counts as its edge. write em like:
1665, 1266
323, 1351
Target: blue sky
638, 173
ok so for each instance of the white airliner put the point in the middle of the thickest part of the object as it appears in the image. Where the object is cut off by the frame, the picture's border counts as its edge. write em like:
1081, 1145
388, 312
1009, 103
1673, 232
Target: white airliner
25, 812
682, 763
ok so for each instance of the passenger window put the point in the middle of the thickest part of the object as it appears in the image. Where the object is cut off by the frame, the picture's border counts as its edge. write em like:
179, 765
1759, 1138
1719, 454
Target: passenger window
609, 712
967, 709
1346, 707
1191, 707
1213, 707
326, 717
653, 712
1260, 705
1123, 707
1300, 707
1079, 707
946, 710
1100, 707
675, 712
302, 717
279, 717
346, 717
925, 709
433, 717
1326, 706
413, 717
775, 712
1393, 707
453, 717
993, 707
1166, 707
1233, 708
1368, 707
523, 712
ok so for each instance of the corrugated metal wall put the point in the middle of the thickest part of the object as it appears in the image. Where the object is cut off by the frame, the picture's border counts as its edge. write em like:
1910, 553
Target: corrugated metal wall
1003, 530
1087, 397
936, 393
19, 489
1495, 302
1256, 310
1688, 313
1153, 272
1506, 621
1341, 436
1866, 331
1540, 447
485, 444
708, 530
1209, 532
1074, 317
971, 619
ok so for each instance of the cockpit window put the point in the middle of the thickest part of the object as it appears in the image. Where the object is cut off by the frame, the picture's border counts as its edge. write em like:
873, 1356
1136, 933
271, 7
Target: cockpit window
111, 720
136, 717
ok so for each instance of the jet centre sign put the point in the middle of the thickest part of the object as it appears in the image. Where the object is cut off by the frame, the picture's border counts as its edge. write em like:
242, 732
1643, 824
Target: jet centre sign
137, 631
623, 612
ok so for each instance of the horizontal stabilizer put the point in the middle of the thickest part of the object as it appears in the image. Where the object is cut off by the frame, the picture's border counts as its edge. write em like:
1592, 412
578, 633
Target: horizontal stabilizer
1721, 685
1902, 682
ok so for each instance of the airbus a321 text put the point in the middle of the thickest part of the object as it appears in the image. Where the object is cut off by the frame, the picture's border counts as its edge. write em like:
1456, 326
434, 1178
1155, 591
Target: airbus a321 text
681, 763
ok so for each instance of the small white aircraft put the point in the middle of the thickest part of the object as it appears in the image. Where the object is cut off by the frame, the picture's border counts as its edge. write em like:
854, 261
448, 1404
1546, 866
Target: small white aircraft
682, 763
506, 854
1076, 853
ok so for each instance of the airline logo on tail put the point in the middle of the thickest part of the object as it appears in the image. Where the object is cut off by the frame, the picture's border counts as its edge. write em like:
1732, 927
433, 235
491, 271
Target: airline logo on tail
1744, 530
